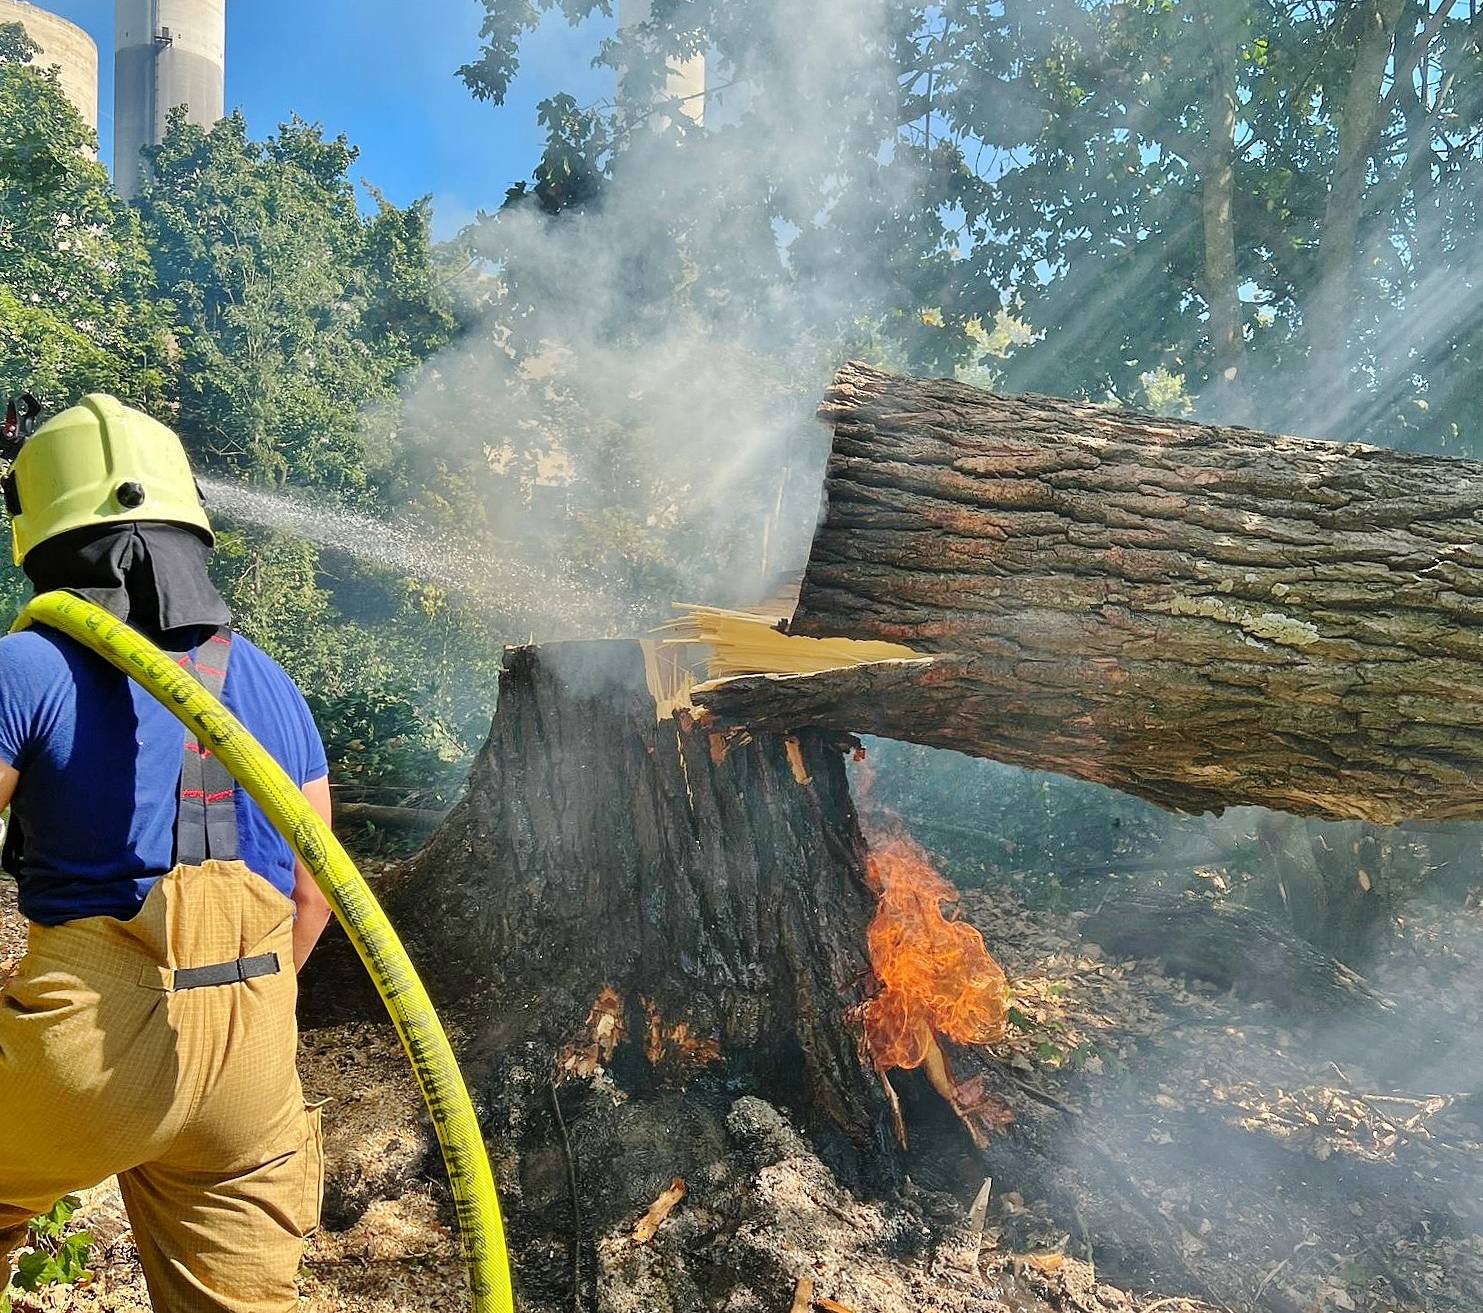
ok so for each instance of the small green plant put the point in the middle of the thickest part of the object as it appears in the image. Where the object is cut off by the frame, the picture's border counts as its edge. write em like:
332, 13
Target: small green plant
1083, 1053
56, 1258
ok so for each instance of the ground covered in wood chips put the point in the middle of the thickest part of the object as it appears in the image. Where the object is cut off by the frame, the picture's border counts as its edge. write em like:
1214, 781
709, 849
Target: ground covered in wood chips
1173, 1149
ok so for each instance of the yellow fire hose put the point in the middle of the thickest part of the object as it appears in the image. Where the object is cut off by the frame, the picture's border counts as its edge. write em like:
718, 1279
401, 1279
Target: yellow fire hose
475, 1202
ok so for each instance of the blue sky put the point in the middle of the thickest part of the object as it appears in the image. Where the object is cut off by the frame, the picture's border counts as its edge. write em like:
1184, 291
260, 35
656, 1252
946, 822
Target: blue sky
386, 80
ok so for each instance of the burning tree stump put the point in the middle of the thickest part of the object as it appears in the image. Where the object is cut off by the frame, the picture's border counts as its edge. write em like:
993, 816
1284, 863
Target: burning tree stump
632, 888
636, 920
1200, 616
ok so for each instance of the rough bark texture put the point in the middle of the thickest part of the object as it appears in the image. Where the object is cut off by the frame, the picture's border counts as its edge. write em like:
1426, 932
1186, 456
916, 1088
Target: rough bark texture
718, 889
1199, 616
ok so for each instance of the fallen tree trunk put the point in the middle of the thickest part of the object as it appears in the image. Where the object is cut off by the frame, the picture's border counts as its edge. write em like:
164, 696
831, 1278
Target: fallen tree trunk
403, 818
1199, 616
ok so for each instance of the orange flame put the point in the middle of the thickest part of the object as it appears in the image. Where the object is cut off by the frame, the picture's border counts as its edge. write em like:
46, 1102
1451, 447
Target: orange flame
937, 976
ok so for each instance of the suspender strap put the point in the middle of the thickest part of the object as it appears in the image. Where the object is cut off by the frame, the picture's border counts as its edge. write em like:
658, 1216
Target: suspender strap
206, 823
227, 973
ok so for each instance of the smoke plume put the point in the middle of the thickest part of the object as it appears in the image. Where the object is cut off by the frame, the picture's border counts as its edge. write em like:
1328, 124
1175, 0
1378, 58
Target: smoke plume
633, 403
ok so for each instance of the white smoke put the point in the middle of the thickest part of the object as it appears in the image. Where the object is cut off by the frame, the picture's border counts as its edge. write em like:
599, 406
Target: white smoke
642, 378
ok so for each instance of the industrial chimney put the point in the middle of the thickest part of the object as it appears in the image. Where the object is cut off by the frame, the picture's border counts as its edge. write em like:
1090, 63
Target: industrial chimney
64, 46
168, 53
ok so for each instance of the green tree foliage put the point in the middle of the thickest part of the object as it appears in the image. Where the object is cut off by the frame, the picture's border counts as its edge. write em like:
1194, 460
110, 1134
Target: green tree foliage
1273, 199
300, 318
1277, 199
76, 312
401, 700
251, 303
298, 315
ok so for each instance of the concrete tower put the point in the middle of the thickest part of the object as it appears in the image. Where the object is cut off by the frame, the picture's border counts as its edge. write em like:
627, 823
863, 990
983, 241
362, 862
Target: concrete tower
64, 45
686, 82
168, 53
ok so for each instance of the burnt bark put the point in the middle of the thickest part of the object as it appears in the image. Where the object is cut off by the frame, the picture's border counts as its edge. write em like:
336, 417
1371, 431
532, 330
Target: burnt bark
716, 887
1199, 616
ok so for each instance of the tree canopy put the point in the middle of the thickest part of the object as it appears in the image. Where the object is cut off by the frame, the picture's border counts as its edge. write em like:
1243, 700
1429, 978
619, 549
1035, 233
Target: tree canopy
1274, 201
77, 309
297, 315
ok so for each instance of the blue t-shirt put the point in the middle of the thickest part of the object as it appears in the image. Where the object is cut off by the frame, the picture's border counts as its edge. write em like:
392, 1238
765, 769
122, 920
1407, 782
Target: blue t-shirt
99, 761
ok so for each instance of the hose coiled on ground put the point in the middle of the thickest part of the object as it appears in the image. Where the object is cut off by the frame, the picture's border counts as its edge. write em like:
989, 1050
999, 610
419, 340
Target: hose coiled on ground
480, 1225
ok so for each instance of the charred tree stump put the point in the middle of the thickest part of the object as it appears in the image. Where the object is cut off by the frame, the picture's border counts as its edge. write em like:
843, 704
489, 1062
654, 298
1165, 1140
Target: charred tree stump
1199, 616
637, 890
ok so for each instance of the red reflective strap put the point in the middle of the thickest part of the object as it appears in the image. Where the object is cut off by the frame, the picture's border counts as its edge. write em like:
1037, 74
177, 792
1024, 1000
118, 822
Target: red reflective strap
210, 670
193, 793
220, 797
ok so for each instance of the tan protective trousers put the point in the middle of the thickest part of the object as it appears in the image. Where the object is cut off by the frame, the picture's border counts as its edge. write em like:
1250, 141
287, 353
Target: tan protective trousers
189, 1096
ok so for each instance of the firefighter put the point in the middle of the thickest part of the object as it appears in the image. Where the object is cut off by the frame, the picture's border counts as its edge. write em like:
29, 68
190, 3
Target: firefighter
149, 1032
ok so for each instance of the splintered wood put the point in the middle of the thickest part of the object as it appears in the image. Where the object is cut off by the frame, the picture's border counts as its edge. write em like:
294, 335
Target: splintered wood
658, 1212
748, 643
978, 1215
603, 1033
667, 670
794, 749
803, 1296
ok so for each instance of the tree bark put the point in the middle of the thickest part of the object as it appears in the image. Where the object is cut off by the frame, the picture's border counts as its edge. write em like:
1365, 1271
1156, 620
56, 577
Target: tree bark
1371, 27
1220, 281
1199, 616
710, 891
